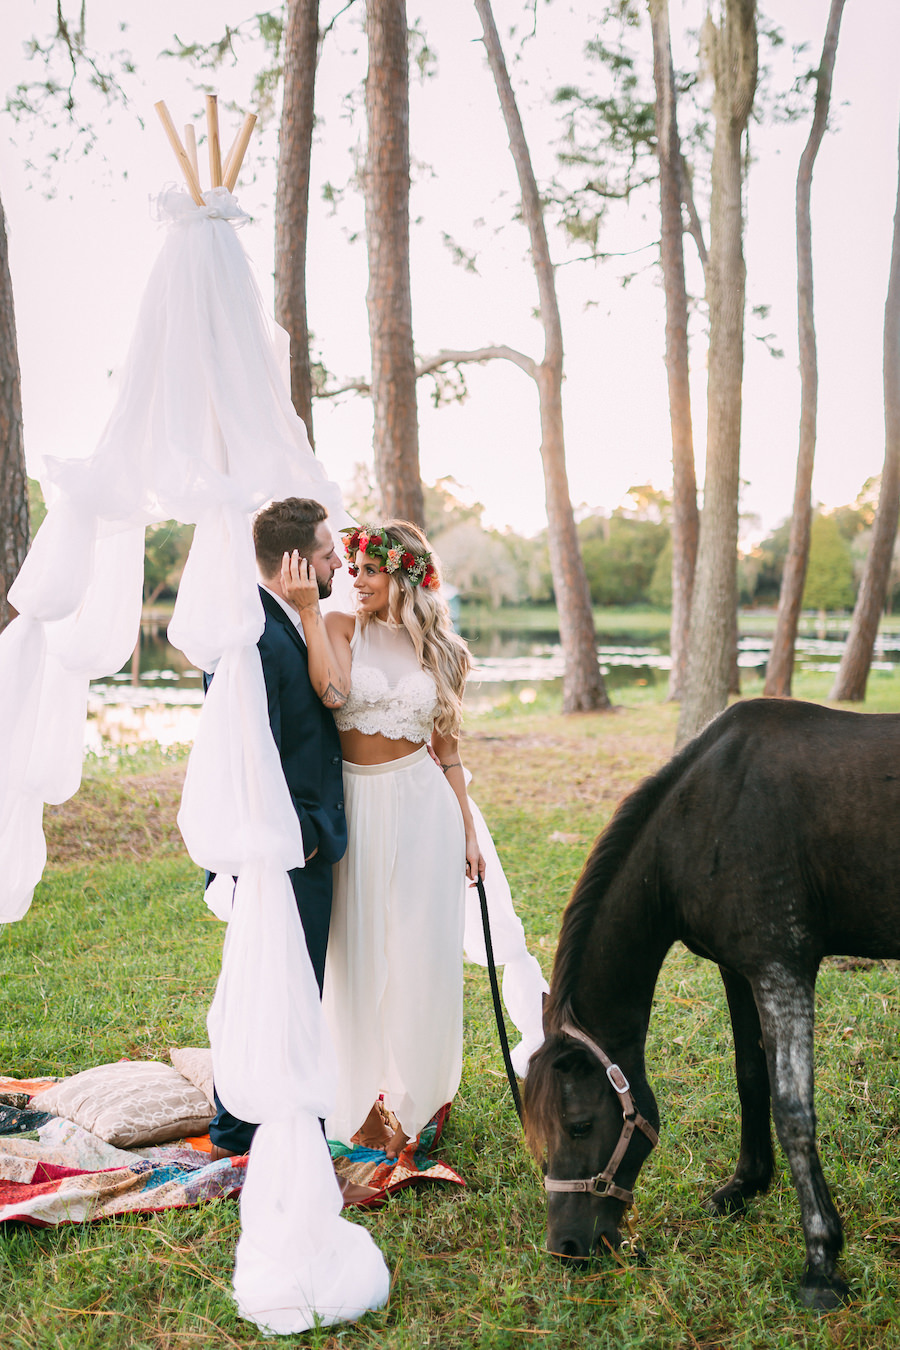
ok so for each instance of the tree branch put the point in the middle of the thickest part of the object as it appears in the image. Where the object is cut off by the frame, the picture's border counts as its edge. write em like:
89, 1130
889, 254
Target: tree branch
351, 387
602, 257
329, 26
695, 228
428, 364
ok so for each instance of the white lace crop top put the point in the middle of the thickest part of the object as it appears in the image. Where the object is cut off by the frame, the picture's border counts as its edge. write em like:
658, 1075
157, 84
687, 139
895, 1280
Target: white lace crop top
390, 693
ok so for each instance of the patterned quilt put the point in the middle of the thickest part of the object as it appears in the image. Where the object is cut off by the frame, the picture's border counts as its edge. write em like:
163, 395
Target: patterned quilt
54, 1172
370, 1167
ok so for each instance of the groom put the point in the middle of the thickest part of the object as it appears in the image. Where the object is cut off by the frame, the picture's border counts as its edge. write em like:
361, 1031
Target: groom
304, 732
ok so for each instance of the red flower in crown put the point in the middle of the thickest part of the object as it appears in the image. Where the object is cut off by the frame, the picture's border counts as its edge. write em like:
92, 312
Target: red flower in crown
374, 539
352, 543
362, 541
407, 561
430, 577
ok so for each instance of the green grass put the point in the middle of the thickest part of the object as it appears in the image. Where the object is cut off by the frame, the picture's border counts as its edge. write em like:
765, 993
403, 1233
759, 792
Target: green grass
119, 957
882, 690
111, 960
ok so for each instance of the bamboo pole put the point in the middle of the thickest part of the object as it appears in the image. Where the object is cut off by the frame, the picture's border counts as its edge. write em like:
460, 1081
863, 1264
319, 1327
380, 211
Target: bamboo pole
236, 154
190, 145
180, 153
226, 162
212, 133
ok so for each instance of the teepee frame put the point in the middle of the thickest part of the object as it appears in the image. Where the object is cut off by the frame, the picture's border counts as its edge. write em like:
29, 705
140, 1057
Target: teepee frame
221, 174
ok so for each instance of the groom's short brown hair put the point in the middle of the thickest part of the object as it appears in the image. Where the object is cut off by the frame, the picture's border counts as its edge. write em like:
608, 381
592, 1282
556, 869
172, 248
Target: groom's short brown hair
284, 526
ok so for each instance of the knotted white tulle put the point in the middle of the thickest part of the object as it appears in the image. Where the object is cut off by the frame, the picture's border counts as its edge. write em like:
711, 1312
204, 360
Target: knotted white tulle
203, 432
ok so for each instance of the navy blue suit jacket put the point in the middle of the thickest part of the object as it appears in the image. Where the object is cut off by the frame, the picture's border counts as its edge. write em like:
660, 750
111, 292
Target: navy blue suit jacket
305, 735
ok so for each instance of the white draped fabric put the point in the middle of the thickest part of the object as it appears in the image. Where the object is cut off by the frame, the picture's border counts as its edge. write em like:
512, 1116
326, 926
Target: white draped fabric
203, 431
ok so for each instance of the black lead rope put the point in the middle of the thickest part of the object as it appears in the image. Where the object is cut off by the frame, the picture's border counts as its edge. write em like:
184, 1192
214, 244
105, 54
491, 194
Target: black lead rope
495, 994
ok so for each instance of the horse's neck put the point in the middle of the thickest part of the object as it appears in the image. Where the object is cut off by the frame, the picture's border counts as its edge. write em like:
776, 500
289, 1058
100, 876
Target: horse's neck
622, 958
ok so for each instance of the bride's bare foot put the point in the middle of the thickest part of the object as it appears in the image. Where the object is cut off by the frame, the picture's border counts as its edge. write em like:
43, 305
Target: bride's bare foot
373, 1133
396, 1144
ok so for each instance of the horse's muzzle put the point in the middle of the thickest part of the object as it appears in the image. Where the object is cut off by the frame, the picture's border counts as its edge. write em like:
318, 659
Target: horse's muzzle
579, 1248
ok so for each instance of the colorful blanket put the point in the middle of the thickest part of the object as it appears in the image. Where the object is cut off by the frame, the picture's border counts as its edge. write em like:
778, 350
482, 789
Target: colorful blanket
370, 1167
54, 1172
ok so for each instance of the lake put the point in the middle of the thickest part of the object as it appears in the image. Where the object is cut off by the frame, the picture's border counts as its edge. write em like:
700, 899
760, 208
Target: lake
164, 704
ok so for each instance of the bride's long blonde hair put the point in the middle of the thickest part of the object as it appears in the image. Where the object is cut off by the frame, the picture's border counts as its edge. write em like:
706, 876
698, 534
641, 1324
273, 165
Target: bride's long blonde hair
422, 611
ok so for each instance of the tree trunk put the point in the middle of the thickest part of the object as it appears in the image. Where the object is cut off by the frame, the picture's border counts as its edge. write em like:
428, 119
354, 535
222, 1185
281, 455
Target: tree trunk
301, 35
685, 516
13, 480
583, 687
780, 667
853, 672
734, 51
396, 428
136, 661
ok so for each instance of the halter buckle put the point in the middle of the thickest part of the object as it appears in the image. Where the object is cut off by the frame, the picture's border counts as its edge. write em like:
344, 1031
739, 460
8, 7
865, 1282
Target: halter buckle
591, 1186
617, 1079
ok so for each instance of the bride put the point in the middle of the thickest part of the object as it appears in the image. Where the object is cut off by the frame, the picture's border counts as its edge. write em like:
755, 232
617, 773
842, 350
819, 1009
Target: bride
393, 977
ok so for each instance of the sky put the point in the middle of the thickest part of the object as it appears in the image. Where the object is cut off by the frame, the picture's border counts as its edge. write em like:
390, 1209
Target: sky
80, 259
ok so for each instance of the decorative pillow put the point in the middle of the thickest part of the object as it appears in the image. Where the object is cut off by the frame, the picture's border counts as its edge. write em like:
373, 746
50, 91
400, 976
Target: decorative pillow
131, 1103
195, 1065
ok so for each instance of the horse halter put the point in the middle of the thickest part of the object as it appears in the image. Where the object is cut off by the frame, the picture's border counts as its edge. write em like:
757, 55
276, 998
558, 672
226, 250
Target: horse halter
631, 1120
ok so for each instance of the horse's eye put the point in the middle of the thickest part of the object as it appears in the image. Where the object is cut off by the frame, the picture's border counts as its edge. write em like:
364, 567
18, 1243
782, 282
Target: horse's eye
579, 1130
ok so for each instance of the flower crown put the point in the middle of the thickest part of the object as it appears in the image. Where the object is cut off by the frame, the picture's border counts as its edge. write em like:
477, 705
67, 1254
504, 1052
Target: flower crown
376, 543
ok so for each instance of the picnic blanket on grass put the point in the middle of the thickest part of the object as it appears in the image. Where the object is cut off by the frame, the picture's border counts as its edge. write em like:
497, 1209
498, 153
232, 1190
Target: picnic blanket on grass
370, 1167
54, 1172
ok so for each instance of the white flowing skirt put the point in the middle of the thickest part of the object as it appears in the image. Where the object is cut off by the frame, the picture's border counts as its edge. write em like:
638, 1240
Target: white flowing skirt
394, 972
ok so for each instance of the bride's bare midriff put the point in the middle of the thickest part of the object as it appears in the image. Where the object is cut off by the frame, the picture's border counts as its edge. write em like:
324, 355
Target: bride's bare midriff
358, 748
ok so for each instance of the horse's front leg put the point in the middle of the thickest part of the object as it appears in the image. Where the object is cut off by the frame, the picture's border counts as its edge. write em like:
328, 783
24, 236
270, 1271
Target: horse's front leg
753, 1169
785, 1003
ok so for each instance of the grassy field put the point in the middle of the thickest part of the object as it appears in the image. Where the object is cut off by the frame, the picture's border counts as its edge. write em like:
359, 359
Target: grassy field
118, 956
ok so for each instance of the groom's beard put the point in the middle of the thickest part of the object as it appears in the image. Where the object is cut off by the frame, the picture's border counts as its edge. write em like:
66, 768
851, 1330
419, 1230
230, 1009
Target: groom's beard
324, 587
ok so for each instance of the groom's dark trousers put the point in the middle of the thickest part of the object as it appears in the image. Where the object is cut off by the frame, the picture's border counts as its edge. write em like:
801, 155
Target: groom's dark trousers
307, 741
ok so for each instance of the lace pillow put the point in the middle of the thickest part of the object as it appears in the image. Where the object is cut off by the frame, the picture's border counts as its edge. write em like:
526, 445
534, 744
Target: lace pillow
131, 1103
195, 1065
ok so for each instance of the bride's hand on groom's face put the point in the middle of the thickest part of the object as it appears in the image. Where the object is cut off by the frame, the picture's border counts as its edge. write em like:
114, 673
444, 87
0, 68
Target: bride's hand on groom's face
299, 582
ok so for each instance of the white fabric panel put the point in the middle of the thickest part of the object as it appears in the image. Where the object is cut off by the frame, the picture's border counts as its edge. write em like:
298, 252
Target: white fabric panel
23, 652
298, 1262
203, 431
218, 604
53, 771
219, 896
98, 637
54, 578
24, 852
272, 1055
235, 806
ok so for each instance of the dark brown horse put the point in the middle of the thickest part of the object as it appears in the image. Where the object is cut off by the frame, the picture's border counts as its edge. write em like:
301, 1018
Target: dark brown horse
770, 841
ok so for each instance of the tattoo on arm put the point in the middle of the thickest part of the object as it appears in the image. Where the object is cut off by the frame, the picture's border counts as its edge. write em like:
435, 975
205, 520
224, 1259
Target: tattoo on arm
455, 765
333, 698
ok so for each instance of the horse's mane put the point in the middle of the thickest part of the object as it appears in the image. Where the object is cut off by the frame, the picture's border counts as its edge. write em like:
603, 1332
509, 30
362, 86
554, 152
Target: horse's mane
601, 868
